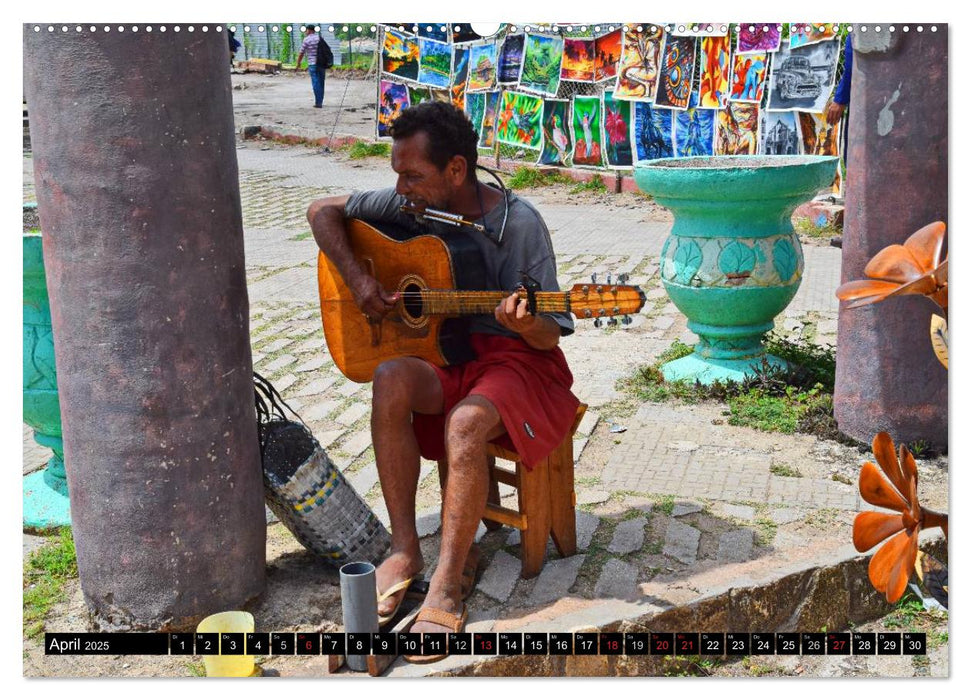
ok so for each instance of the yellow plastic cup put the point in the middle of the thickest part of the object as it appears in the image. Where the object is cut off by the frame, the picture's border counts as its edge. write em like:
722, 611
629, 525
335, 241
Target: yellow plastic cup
231, 666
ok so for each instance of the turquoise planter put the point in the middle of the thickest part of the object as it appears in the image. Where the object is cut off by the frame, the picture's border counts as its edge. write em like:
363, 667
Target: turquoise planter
733, 261
45, 492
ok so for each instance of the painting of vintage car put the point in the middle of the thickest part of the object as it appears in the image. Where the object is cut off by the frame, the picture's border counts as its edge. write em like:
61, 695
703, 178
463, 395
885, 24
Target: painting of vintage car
797, 79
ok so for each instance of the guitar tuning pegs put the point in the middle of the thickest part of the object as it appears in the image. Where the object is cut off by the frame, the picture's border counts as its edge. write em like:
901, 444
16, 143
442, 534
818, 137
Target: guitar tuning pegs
598, 322
609, 278
612, 321
622, 278
626, 320
593, 278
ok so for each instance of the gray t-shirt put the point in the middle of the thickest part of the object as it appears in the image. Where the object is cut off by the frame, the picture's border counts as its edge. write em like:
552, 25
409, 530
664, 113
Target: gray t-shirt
525, 246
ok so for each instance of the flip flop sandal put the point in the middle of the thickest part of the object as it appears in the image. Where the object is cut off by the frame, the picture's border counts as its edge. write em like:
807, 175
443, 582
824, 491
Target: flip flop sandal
396, 588
450, 621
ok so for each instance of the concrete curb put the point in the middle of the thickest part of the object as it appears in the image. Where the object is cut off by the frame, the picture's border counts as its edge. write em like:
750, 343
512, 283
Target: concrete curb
829, 596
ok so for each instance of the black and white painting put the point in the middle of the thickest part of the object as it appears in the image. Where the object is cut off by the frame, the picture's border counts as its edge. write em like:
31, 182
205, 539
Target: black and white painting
802, 79
780, 135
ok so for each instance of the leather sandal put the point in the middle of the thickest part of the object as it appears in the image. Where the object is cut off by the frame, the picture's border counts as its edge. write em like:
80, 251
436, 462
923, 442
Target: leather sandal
450, 621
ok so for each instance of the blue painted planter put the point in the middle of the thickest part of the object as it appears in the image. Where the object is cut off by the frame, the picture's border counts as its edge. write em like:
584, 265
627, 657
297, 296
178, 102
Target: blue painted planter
45, 492
733, 261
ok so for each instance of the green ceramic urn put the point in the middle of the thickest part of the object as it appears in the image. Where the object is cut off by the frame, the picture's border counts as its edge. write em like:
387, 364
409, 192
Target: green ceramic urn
45, 492
733, 261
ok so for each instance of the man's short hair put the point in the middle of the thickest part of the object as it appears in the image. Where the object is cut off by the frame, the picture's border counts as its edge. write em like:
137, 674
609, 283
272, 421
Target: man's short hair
449, 132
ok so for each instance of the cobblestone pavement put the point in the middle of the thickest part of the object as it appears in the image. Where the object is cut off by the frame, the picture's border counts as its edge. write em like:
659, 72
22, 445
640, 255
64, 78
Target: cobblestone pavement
672, 502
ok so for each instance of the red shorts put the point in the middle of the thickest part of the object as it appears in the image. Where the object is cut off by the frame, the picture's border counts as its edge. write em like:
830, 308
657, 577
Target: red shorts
530, 388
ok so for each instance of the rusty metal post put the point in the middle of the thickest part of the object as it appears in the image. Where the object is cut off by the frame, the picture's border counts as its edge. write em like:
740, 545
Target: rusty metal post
137, 187
887, 377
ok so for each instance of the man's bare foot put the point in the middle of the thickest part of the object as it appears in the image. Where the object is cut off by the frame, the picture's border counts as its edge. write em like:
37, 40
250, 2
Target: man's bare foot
398, 567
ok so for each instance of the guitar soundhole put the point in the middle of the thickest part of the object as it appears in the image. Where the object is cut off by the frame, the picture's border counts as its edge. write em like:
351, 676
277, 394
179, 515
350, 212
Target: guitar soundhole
412, 301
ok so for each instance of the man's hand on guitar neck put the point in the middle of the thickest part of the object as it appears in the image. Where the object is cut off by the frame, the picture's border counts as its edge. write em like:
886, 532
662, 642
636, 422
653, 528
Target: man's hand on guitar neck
539, 332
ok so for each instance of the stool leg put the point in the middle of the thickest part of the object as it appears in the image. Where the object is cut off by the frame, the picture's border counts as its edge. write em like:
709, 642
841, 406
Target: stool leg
563, 514
535, 503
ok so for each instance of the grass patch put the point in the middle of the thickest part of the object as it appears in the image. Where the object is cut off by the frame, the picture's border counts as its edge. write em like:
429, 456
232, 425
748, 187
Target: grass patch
807, 227
196, 669
683, 666
765, 529
527, 178
785, 470
666, 505
765, 411
596, 184
797, 398
45, 574
303, 236
910, 616
842, 479
365, 149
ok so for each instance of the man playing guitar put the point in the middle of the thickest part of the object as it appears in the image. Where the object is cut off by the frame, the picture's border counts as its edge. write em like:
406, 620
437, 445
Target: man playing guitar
515, 392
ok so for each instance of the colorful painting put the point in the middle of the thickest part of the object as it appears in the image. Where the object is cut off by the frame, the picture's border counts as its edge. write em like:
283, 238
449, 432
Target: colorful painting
652, 132
677, 69
748, 77
482, 67
433, 30
460, 75
737, 130
617, 131
802, 79
487, 136
715, 54
818, 137
638, 70
475, 109
417, 95
756, 37
607, 50
392, 101
399, 55
578, 57
699, 29
511, 58
541, 64
694, 132
805, 34
435, 63
586, 131
780, 135
557, 145
441, 95
518, 121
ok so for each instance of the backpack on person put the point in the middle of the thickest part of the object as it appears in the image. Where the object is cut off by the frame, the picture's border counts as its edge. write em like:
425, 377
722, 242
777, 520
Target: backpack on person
325, 57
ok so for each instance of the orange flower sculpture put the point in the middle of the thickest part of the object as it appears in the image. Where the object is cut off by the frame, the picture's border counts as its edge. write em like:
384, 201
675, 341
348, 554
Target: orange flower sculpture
916, 267
892, 565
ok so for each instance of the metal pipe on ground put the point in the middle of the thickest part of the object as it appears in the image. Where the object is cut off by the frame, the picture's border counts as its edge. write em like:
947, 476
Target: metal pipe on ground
137, 185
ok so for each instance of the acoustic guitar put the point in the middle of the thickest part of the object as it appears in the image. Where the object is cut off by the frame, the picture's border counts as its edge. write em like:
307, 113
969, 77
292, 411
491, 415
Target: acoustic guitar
435, 277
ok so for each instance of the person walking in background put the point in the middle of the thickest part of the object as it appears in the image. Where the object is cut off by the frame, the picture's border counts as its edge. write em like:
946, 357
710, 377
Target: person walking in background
309, 48
837, 108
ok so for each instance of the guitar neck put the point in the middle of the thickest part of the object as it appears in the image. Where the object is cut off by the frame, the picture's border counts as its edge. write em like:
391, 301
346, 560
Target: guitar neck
459, 303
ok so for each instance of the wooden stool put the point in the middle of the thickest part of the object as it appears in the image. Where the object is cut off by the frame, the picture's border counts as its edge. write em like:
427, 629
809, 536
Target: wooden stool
547, 502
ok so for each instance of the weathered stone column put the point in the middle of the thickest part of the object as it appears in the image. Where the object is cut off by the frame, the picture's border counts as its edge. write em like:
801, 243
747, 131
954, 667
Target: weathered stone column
136, 175
887, 377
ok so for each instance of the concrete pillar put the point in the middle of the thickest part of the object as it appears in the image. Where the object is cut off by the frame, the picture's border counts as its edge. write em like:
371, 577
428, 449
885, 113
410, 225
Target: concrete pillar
887, 377
137, 187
